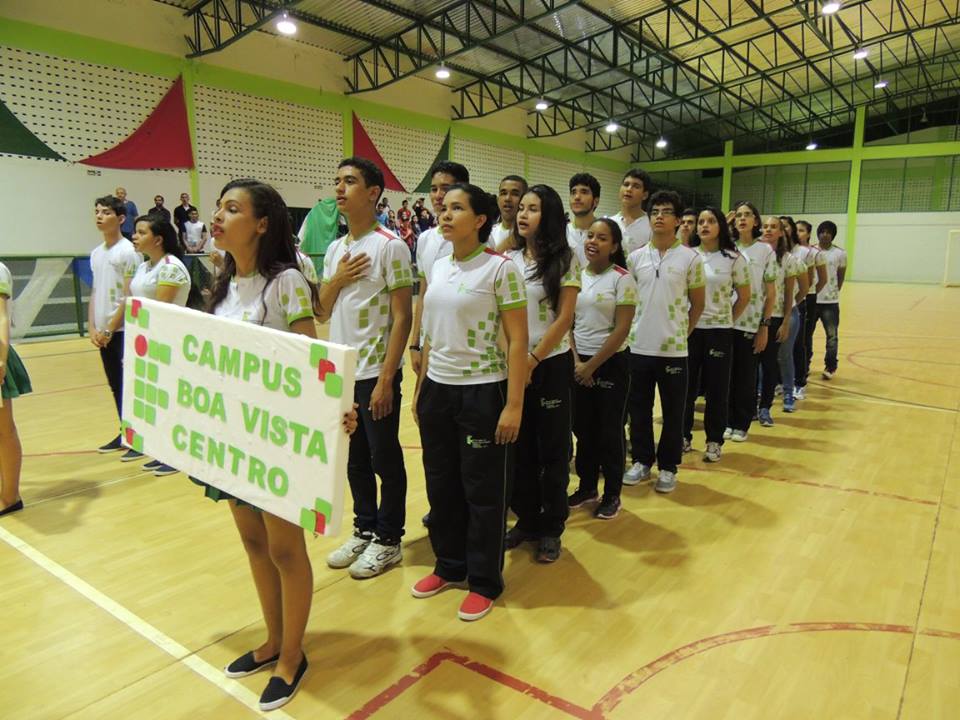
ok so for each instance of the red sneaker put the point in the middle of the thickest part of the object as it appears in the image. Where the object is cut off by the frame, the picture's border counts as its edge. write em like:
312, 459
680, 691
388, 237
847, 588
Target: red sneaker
429, 586
474, 607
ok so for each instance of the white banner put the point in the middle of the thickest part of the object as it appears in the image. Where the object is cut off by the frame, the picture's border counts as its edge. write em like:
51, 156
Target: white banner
253, 411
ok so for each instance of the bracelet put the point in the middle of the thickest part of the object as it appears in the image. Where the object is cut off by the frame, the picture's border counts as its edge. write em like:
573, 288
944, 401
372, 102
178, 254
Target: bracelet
534, 357
416, 347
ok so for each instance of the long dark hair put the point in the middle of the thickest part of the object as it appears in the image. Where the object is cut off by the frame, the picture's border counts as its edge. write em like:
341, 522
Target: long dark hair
756, 214
792, 240
481, 203
618, 257
171, 246
275, 250
728, 248
551, 250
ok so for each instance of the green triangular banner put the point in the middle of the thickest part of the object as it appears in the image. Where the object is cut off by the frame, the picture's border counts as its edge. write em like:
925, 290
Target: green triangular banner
16, 139
444, 154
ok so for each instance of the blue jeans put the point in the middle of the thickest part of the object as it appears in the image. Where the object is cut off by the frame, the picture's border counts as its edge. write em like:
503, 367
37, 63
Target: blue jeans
785, 354
829, 314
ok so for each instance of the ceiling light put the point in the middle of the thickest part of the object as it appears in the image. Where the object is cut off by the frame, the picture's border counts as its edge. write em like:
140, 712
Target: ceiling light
542, 104
880, 84
442, 72
860, 53
829, 8
612, 127
662, 143
286, 26
811, 145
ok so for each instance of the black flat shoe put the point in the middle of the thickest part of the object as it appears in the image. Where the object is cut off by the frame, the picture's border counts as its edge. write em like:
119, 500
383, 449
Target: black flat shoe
278, 693
246, 665
18, 505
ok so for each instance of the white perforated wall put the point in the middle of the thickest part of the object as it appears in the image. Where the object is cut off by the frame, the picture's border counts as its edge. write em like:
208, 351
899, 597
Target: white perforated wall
487, 163
407, 151
555, 173
609, 190
79, 109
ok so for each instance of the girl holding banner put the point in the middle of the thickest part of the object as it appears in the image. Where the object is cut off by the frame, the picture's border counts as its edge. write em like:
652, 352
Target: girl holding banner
469, 400
259, 284
14, 382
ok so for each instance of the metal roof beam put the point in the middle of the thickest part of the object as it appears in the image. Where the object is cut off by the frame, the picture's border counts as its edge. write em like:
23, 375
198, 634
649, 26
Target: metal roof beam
218, 23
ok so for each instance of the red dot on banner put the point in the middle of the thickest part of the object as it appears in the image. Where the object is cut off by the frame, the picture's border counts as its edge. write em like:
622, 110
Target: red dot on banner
321, 522
130, 435
324, 367
135, 306
140, 345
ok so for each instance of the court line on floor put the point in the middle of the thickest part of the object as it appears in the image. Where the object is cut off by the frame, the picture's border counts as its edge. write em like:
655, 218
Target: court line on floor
881, 400
69, 389
140, 626
49, 355
851, 358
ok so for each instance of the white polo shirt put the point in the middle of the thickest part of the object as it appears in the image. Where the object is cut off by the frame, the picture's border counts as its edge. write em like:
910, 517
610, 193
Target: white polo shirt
761, 259
834, 258
431, 246
361, 315
277, 304
788, 267
576, 239
597, 303
636, 234
111, 268
663, 286
461, 316
498, 233
723, 274
819, 260
169, 271
307, 267
540, 315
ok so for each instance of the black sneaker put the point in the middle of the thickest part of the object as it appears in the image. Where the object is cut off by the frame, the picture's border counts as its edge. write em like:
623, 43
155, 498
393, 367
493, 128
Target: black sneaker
426, 520
548, 550
162, 470
278, 693
582, 497
246, 665
111, 446
152, 465
130, 456
608, 508
516, 536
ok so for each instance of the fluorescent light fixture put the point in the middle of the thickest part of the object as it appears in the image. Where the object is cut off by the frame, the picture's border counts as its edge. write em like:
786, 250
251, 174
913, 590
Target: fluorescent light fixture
662, 143
811, 145
612, 127
542, 104
286, 26
880, 84
442, 72
829, 8
860, 53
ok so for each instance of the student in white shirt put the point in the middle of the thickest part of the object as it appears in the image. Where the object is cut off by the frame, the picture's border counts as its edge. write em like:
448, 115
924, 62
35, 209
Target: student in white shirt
262, 284
605, 308
781, 319
828, 298
817, 276
688, 227
632, 218
194, 233
14, 382
469, 401
751, 329
711, 342
552, 277
584, 198
113, 263
370, 311
670, 292
799, 256
512, 188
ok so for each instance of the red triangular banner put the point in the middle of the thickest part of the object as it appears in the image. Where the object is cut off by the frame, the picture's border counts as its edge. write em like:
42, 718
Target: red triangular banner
363, 147
162, 141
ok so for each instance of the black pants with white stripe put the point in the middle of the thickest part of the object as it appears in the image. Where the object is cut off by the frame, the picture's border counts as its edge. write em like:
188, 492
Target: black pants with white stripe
649, 373
599, 413
468, 479
711, 351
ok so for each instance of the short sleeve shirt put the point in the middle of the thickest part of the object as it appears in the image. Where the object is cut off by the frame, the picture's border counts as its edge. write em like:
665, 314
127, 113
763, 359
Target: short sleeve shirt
432, 245
111, 268
636, 234
194, 232
817, 259
277, 304
834, 258
788, 267
597, 303
361, 315
663, 286
499, 233
307, 267
169, 271
6, 282
461, 316
722, 273
576, 239
540, 315
761, 259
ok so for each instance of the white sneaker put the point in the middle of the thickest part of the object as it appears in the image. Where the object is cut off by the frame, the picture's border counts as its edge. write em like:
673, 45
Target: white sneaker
827, 374
778, 390
637, 473
346, 554
712, 453
666, 482
727, 433
800, 393
375, 559
687, 446
738, 436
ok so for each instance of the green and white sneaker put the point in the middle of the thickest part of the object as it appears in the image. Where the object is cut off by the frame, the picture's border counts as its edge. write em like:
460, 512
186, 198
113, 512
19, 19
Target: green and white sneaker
346, 554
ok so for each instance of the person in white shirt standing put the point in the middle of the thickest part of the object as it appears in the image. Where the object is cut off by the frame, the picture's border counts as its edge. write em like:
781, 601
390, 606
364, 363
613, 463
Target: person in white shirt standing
817, 276
368, 306
194, 233
584, 197
688, 227
512, 188
113, 263
632, 218
671, 296
828, 299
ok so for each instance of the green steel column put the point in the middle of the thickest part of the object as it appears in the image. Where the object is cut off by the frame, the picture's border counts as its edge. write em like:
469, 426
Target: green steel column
853, 193
727, 175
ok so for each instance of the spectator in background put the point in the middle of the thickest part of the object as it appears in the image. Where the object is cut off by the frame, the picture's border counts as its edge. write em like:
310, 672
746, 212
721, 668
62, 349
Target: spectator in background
405, 230
181, 214
382, 213
159, 209
391, 220
688, 224
404, 214
194, 234
126, 229
426, 220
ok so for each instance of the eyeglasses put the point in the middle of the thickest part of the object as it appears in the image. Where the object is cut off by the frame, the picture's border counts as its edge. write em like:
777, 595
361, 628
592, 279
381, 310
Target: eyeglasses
665, 212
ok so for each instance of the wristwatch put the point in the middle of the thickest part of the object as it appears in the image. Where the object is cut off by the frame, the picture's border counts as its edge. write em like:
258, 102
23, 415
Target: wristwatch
107, 333
765, 322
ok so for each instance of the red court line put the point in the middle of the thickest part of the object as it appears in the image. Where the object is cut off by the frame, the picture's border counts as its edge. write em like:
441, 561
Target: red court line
613, 697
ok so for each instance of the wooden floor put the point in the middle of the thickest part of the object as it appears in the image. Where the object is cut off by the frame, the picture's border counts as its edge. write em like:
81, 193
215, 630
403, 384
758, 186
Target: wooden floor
808, 575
